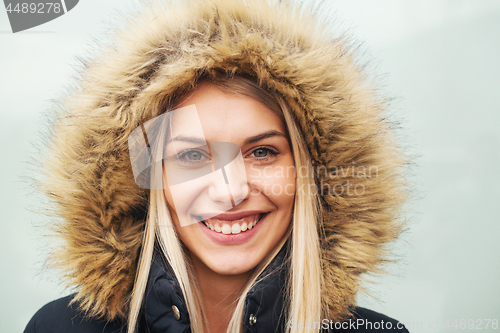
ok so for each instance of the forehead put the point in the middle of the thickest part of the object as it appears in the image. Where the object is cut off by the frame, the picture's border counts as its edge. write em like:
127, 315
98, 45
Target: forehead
225, 116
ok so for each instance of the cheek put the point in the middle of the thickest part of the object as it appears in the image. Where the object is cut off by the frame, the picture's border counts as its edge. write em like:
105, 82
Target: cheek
277, 183
283, 192
177, 213
180, 197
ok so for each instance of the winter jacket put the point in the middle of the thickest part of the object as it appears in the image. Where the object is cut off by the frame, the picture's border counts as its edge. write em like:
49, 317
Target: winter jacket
164, 310
289, 50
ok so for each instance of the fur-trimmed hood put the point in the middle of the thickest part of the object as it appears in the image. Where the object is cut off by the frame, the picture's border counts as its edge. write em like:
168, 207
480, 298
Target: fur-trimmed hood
163, 53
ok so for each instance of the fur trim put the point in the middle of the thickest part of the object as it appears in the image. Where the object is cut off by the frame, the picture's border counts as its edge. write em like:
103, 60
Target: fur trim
88, 173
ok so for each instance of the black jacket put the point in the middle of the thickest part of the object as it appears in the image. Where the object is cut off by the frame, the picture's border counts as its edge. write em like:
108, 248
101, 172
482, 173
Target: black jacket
264, 302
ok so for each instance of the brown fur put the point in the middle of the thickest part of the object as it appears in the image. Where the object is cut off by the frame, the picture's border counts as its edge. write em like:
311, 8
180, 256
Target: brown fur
165, 52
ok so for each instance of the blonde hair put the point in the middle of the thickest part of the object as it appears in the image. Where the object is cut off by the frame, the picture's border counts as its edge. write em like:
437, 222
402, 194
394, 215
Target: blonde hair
303, 291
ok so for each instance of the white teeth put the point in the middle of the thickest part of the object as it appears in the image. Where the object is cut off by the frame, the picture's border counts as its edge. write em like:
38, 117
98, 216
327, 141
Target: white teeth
226, 229
233, 228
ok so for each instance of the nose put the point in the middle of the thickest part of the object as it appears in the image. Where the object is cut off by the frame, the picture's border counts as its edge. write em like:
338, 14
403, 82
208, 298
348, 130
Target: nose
219, 191
228, 186
228, 161
237, 183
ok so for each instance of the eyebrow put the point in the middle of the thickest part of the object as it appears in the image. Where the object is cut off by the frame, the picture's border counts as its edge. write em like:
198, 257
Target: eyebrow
263, 136
200, 141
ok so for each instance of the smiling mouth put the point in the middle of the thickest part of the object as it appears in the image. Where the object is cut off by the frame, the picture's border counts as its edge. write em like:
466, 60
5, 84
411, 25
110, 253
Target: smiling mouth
228, 227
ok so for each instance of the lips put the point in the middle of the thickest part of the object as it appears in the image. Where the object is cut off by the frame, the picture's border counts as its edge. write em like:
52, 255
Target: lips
231, 224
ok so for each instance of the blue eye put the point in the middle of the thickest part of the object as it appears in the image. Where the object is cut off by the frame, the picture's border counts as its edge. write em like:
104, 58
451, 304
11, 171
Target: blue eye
264, 153
261, 152
193, 156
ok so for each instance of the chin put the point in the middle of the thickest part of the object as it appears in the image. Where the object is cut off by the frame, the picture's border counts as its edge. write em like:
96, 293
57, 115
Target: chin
231, 264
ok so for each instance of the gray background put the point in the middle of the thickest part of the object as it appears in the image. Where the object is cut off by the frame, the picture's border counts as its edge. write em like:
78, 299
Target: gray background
438, 58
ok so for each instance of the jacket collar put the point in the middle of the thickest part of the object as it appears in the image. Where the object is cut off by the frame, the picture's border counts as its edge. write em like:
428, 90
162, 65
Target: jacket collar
264, 303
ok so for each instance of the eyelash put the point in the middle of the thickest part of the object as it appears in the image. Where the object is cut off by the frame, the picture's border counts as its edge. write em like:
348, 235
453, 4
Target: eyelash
273, 152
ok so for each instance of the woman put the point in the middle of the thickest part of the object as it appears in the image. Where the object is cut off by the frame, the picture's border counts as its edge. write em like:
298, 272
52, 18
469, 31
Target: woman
224, 168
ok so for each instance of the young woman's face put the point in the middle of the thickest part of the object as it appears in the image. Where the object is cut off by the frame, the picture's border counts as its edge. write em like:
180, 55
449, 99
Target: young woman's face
235, 222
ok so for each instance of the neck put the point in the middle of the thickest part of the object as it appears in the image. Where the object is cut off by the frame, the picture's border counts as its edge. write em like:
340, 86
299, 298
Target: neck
219, 295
